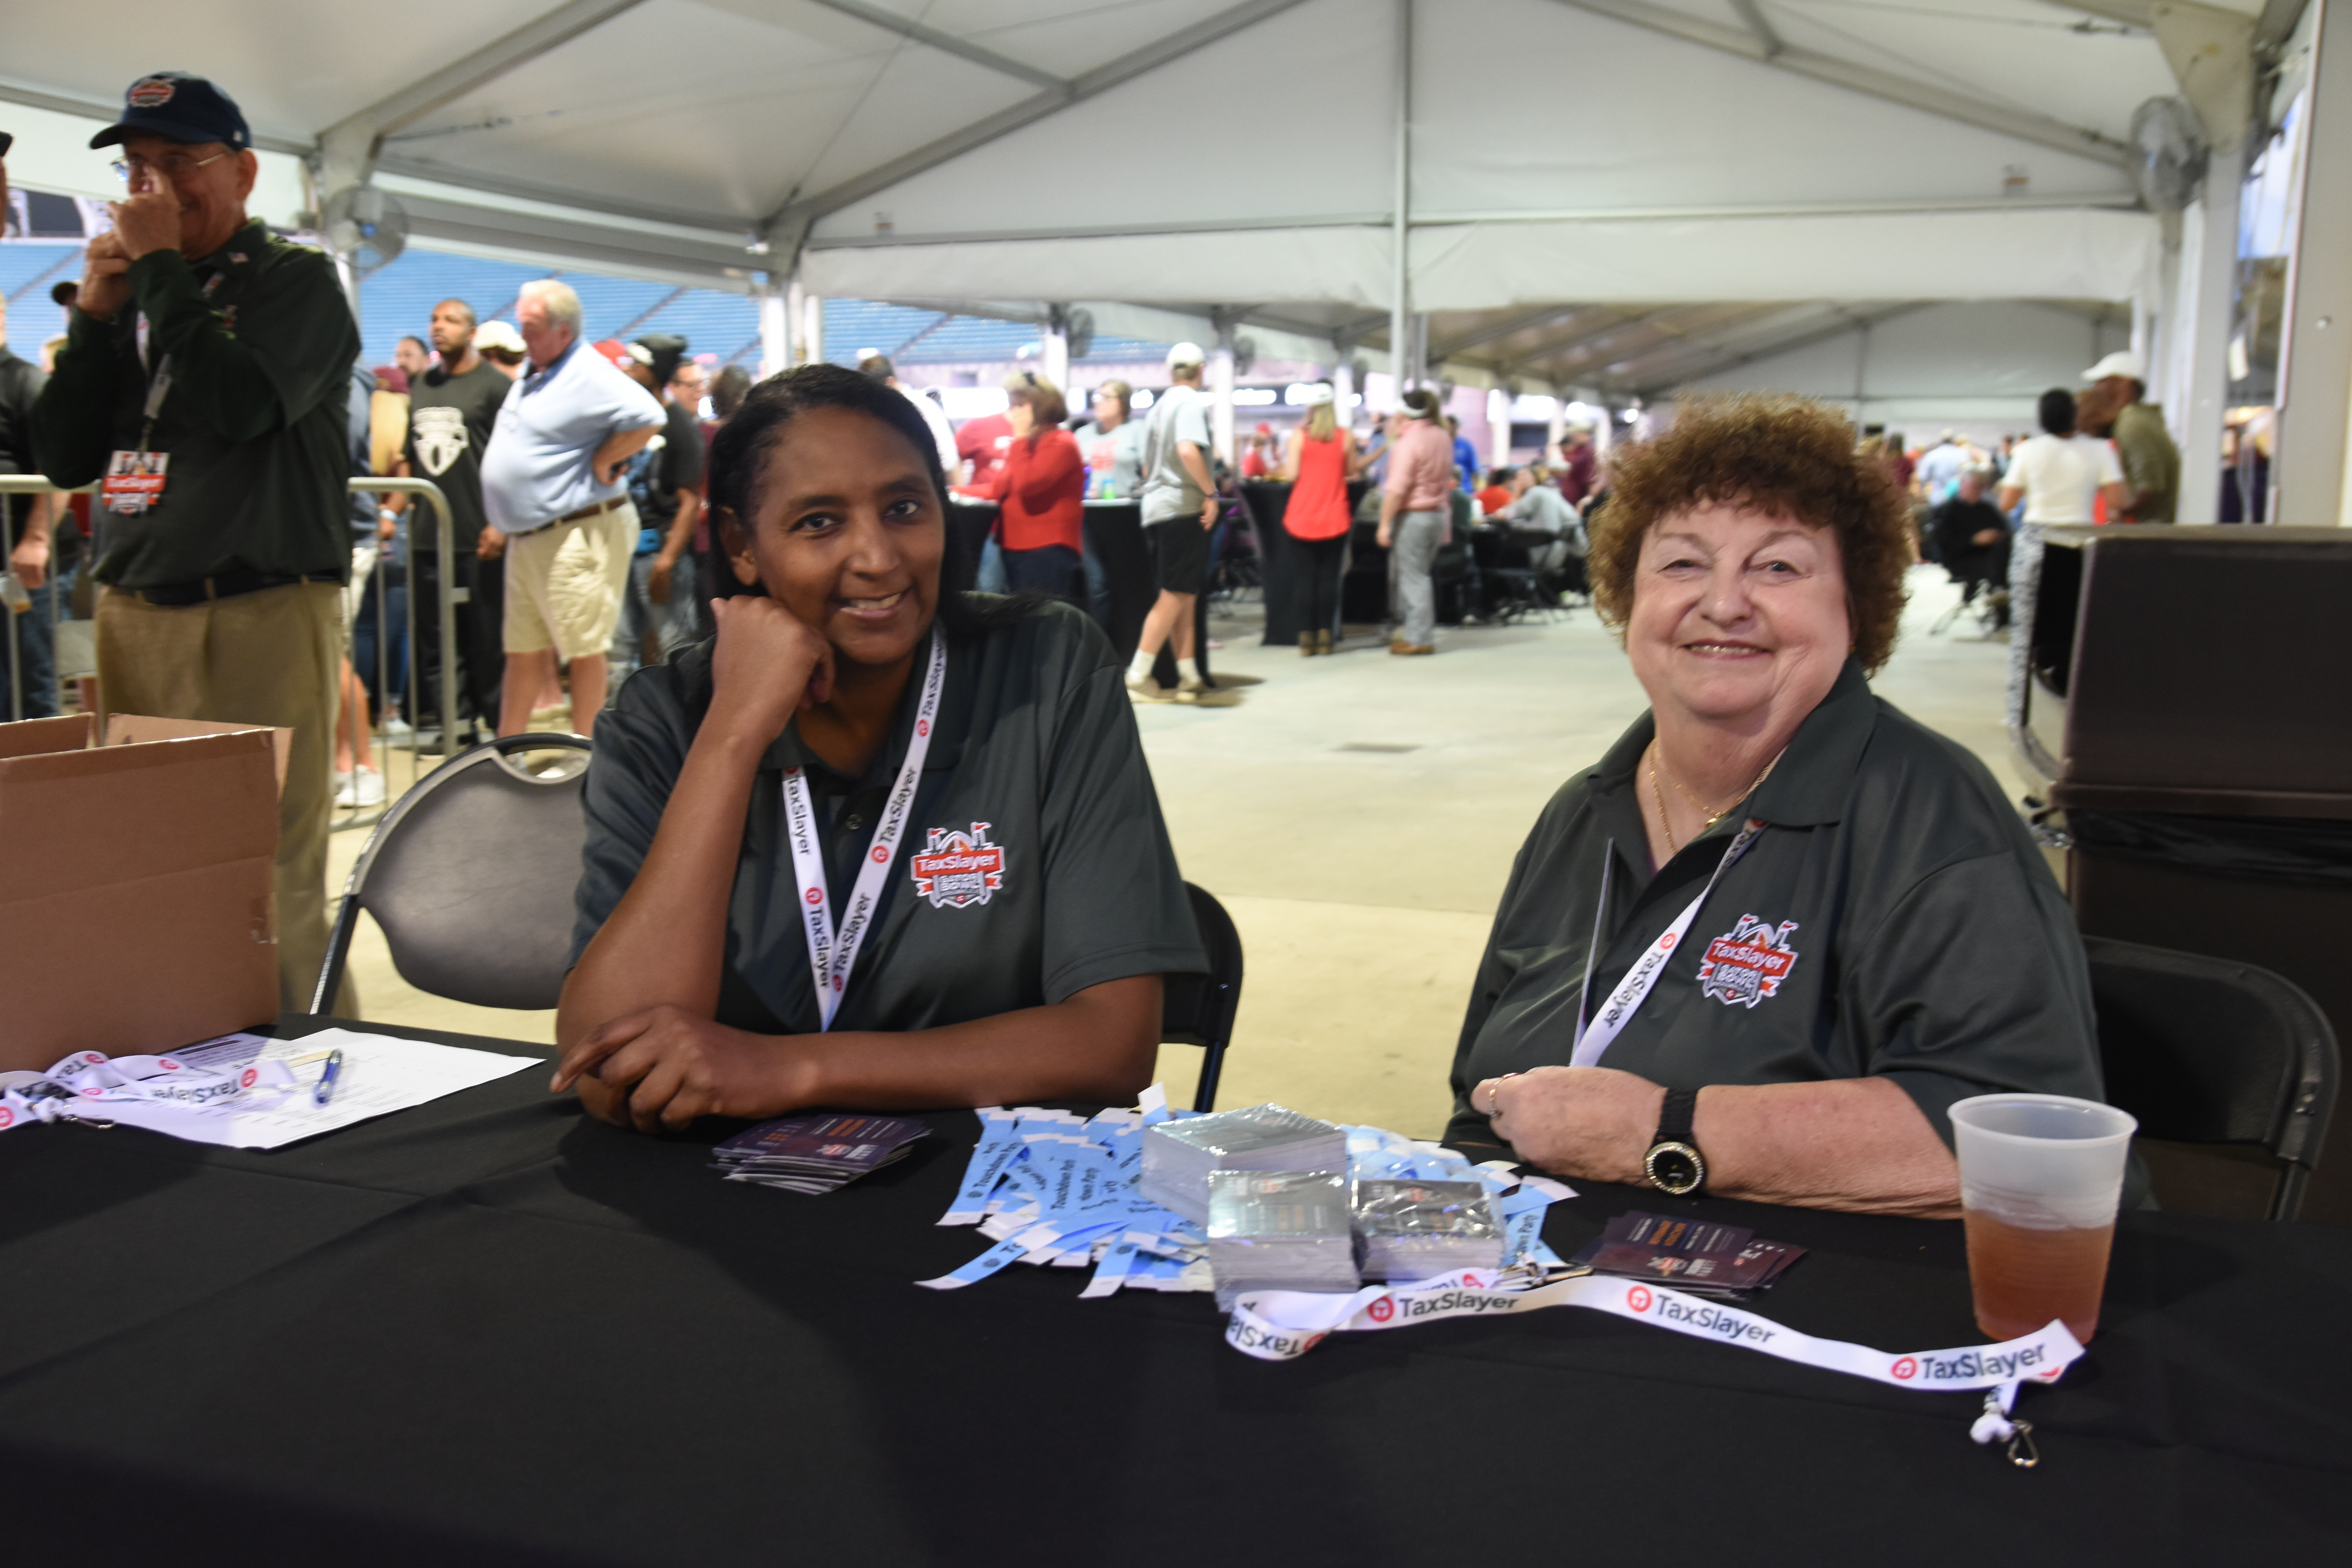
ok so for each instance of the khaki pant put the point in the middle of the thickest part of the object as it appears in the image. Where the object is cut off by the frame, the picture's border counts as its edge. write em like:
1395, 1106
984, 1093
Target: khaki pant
270, 658
564, 584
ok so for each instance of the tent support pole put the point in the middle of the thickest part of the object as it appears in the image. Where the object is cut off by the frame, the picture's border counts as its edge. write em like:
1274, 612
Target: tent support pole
775, 328
2310, 469
2209, 267
1401, 365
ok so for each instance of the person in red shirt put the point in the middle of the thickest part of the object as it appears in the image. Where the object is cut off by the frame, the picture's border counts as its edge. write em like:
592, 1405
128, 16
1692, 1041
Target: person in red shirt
1041, 484
1255, 464
1497, 494
981, 443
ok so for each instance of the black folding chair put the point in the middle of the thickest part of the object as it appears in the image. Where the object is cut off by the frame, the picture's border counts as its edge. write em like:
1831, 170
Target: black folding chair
2205, 1050
470, 876
1198, 1009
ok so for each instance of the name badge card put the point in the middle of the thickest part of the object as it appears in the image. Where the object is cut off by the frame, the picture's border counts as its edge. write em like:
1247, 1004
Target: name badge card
133, 481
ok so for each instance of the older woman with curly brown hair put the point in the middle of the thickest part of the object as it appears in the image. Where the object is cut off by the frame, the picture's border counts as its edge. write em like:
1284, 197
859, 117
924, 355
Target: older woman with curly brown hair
1769, 940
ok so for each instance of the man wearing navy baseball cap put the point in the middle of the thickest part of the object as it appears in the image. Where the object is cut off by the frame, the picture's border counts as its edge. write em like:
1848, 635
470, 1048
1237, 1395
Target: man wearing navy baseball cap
204, 383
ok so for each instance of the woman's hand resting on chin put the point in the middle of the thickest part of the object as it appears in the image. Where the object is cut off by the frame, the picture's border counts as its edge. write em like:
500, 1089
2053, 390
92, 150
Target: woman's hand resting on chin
767, 666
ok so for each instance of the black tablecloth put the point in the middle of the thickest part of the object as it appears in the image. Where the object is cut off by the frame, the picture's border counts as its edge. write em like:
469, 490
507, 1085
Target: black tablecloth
492, 1330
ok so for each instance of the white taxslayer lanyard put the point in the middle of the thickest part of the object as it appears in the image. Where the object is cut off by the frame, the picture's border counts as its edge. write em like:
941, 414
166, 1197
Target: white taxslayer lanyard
158, 389
1595, 1037
833, 951
1282, 1325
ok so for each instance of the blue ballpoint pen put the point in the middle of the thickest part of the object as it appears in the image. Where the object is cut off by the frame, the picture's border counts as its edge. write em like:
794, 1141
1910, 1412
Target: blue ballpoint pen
326, 1090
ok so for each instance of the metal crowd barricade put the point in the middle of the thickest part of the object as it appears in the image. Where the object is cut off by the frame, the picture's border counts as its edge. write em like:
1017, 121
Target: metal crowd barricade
448, 595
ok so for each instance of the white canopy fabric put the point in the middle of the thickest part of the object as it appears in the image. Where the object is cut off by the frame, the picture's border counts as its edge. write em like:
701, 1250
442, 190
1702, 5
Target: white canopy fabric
1233, 161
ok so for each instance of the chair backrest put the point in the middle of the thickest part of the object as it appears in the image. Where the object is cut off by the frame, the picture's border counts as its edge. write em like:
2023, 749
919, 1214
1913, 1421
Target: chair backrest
471, 877
2205, 1050
1198, 1009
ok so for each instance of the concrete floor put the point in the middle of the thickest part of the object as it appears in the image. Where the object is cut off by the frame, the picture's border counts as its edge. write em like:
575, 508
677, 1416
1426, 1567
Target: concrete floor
1362, 880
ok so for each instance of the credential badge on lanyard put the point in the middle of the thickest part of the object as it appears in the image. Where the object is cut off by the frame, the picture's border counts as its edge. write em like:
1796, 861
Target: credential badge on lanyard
134, 479
832, 950
1596, 1036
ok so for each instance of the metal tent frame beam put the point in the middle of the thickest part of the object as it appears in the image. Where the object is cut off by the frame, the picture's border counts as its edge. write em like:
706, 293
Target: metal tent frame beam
460, 77
107, 110
1845, 322
1912, 94
946, 43
790, 224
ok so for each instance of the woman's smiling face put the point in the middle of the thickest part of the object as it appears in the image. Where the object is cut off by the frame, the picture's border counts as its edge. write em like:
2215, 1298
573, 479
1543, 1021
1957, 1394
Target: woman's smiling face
849, 534
1739, 615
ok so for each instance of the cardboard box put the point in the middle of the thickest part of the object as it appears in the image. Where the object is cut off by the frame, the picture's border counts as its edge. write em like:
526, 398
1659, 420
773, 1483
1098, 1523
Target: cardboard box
136, 907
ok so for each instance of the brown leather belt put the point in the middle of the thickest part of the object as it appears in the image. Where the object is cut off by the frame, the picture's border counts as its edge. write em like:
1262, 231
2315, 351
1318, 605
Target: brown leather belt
599, 510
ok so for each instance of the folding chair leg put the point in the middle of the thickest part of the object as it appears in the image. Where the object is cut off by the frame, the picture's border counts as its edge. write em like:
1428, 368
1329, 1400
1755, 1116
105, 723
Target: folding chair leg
1213, 1064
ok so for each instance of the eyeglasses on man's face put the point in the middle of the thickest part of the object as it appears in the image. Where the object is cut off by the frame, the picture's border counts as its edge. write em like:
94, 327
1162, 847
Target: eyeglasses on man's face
175, 167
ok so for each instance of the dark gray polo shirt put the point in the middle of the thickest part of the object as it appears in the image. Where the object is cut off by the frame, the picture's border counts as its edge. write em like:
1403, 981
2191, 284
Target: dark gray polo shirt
1037, 757
1929, 945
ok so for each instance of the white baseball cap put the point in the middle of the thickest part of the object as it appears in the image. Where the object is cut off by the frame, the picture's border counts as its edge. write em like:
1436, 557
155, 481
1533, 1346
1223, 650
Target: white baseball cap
1187, 353
1317, 395
2123, 362
499, 335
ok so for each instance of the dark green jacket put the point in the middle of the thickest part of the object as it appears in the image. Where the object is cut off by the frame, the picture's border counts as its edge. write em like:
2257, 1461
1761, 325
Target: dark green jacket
261, 343
1931, 945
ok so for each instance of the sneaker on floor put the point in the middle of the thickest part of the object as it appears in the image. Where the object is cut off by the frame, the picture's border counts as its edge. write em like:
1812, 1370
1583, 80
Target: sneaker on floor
367, 787
1411, 648
1193, 684
345, 794
1149, 691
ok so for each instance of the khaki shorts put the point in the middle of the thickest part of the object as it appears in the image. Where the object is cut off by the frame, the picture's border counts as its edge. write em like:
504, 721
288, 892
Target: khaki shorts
564, 584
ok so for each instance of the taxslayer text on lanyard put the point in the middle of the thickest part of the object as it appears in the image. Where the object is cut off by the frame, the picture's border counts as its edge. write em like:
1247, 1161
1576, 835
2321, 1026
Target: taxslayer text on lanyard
833, 949
1595, 1037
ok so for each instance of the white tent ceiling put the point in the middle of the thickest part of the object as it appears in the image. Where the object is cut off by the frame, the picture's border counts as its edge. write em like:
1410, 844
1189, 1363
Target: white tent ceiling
1770, 168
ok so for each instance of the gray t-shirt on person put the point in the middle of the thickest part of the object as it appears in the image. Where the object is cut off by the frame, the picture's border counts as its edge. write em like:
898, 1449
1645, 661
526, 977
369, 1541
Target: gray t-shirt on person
1181, 414
1036, 765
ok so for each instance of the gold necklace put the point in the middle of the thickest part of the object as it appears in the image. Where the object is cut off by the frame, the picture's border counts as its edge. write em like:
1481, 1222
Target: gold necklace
1660, 796
1712, 816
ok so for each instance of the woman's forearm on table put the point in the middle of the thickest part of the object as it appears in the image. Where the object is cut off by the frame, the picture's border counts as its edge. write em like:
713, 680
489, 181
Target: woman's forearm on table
666, 940
1098, 1047
1857, 1144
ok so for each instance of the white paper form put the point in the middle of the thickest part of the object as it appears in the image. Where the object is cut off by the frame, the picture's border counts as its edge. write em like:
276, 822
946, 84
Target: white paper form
380, 1075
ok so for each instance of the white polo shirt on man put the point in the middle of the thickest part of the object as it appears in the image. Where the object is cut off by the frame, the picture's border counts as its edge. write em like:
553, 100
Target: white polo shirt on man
572, 535
537, 467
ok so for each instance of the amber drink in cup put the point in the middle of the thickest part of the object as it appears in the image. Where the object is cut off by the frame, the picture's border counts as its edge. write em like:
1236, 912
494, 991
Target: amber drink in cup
2041, 1175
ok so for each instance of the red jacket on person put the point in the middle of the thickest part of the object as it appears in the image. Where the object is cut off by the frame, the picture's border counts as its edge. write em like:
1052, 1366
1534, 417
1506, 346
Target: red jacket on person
1043, 489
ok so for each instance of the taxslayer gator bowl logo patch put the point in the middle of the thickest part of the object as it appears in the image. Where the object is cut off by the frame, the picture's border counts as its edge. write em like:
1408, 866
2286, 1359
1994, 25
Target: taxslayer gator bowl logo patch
148, 92
957, 870
1748, 963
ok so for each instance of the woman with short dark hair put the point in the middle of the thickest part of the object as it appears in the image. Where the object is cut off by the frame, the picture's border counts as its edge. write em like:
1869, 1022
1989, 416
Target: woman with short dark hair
958, 776
1780, 927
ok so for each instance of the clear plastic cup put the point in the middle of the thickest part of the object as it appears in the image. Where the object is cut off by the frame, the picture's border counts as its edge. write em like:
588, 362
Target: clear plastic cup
2041, 1176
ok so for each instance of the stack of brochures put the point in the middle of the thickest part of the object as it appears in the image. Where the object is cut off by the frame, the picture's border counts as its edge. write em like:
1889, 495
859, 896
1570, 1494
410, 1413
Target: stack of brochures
1179, 1156
816, 1153
1418, 1230
1279, 1230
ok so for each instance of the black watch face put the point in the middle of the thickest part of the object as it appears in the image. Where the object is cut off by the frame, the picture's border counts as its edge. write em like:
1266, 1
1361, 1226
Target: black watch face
1675, 1168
